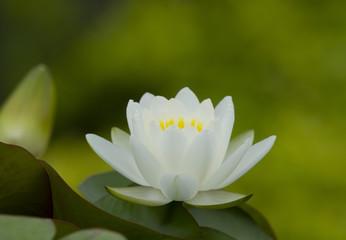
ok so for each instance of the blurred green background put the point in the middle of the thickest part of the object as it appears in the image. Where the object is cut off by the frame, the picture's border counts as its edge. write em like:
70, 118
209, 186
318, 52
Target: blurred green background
283, 62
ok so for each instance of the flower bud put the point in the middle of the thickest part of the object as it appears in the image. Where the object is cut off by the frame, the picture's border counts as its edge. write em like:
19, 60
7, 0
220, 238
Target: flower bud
26, 117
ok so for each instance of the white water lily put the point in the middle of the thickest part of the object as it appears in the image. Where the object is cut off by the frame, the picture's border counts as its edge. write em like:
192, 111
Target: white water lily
180, 150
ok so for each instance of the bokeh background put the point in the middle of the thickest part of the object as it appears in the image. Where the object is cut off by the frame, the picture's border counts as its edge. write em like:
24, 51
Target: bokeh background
283, 62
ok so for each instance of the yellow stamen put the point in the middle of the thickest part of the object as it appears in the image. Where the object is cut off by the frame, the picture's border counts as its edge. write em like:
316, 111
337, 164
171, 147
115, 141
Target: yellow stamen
199, 126
193, 122
181, 123
169, 122
162, 125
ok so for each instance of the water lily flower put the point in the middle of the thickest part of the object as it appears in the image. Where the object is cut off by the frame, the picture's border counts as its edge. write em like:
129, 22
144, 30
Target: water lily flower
180, 150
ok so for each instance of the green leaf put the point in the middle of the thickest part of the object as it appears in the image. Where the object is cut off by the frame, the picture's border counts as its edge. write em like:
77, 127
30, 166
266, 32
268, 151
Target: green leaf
26, 118
212, 234
63, 228
94, 234
93, 188
18, 227
69, 206
234, 222
259, 219
24, 184
24, 227
171, 219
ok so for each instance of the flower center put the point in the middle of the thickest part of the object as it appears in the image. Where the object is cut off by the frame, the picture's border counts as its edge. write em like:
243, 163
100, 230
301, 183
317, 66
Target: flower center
181, 123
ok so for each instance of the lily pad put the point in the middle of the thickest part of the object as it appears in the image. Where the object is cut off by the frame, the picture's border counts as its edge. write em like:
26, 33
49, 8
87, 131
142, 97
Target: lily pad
172, 219
24, 227
69, 206
94, 234
24, 184
234, 222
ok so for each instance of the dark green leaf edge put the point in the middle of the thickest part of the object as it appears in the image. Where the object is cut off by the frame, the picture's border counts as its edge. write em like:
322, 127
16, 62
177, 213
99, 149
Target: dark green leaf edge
214, 234
24, 184
260, 220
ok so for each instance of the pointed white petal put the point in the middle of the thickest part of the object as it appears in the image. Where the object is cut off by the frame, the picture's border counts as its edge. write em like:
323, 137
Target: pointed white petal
146, 196
171, 147
179, 187
224, 111
158, 106
148, 165
117, 158
138, 128
224, 107
129, 112
174, 109
226, 167
146, 100
199, 157
121, 139
217, 199
154, 134
251, 157
205, 111
189, 99
238, 141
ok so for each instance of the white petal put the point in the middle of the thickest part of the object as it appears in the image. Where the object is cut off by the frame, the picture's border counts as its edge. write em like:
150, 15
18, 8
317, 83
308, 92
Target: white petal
121, 139
138, 128
190, 132
189, 99
131, 105
224, 107
238, 141
146, 100
199, 157
224, 111
174, 109
179, 187
226, 168
154, 134
148, 165
205, 111
117, 158
146, 196
251, 157
158, 105
171, 147
217, 199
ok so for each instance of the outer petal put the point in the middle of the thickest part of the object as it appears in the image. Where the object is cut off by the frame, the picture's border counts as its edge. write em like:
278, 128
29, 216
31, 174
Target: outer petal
224, 111
179, 187
225, 107
117, 158
131, 105
198, 160
238, 141
226, 168
148, 165
217, 199
146, 196
154, 134
189, 99
252, 156
146, 100
138, 127
171, 147
121, 139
